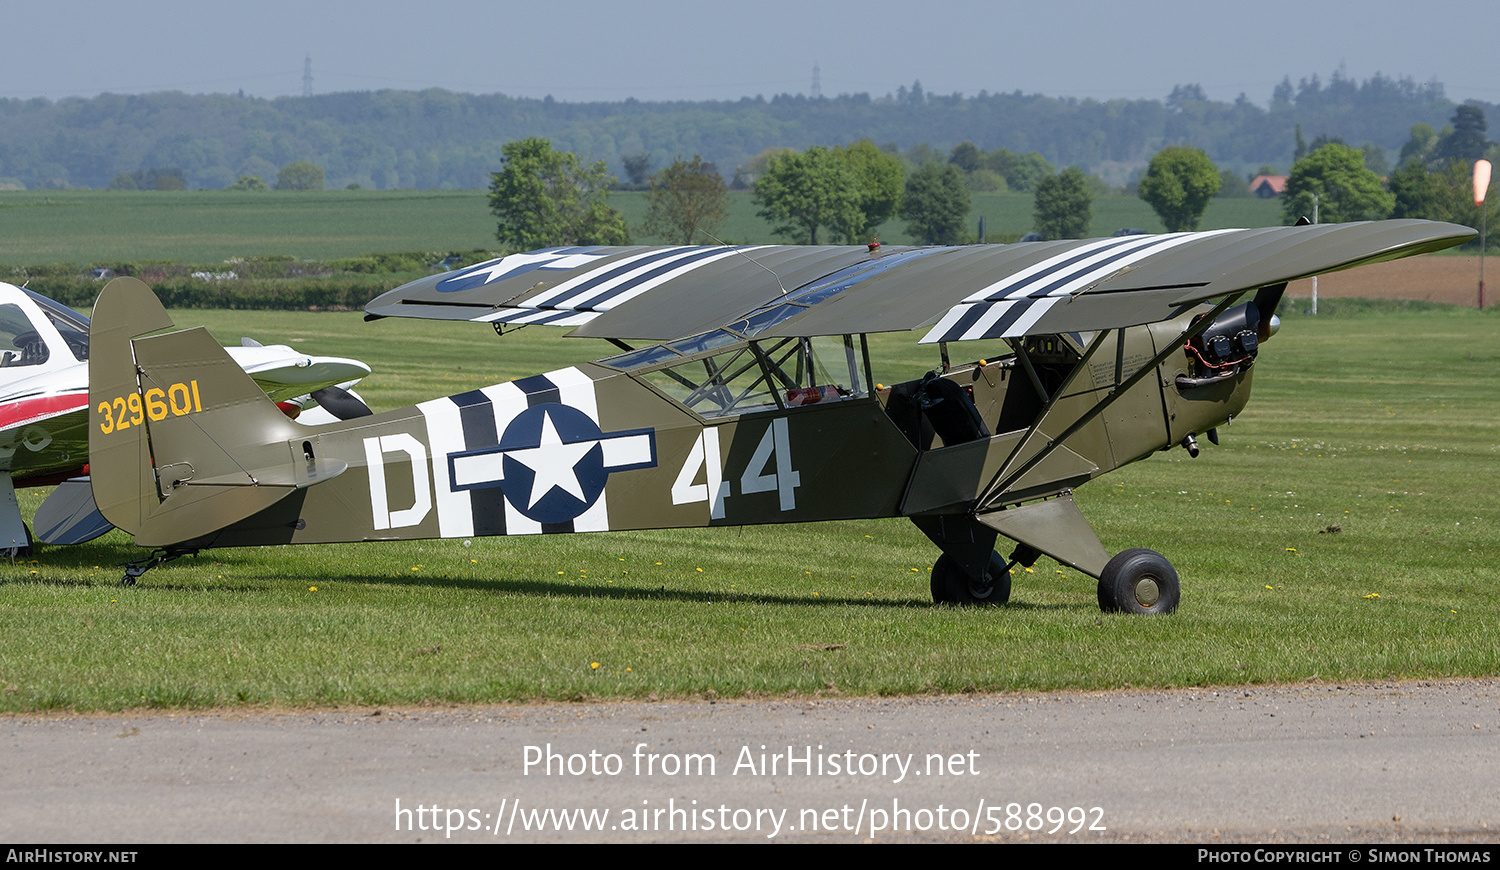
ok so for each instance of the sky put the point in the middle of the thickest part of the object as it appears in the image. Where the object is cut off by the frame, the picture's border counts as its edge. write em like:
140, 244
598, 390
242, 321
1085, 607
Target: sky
584, 50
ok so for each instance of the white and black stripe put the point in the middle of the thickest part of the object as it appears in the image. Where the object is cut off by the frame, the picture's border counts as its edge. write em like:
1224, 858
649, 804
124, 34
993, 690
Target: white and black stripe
581, 299
1010, 307
475, 421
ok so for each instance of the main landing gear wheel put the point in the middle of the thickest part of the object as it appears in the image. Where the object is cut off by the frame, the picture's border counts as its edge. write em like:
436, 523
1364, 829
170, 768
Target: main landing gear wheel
20, 552
1139, 581
950, 585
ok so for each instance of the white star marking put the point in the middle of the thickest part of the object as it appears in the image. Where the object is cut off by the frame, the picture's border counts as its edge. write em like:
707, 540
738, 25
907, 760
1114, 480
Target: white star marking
553, 461
498, 269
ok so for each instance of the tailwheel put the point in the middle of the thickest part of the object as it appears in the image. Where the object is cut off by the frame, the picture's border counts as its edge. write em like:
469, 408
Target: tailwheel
951, 585
1139, 581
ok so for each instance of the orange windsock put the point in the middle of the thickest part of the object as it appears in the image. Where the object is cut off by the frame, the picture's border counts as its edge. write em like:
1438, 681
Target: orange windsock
1481, 180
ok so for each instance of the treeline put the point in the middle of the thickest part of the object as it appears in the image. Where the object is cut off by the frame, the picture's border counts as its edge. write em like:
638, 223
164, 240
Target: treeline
439, 139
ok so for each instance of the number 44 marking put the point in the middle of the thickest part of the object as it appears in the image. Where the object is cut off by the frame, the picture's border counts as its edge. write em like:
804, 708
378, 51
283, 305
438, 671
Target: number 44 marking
705, 455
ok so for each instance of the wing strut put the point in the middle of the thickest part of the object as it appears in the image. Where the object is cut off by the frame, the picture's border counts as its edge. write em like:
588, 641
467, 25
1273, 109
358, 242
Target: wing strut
998, 486
1036, 380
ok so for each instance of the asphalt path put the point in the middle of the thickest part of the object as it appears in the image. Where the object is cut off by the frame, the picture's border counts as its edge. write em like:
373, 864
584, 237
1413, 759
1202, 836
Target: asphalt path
1391, 763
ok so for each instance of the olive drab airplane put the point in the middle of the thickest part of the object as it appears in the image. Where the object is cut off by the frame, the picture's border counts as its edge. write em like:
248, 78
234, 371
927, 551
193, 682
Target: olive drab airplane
743, 393
44, 419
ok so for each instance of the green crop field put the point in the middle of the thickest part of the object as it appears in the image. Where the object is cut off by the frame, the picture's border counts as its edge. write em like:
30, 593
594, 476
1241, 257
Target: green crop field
210, 226
1344, 530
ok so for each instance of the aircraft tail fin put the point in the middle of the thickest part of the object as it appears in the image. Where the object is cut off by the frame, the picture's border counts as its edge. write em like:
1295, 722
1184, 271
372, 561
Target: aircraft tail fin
181, 441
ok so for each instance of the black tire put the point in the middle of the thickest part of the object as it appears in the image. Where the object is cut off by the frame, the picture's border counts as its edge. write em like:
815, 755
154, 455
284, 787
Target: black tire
1139, 581
950, 585
21, 552
938, 581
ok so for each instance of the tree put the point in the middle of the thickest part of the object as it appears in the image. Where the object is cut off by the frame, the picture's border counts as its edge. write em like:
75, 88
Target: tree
247, 182
880, 179
1375, 159
302, 175
1419, 146
155, 178
1021, 171
684, 198
1467, 140
1232, 185
802, 191
1178, 185
1064, 207
546, 198
638, 168
1346, 190
966, 156
936, 203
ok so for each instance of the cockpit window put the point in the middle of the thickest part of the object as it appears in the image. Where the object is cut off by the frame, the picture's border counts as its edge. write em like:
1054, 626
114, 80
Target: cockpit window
752, 376
20, 344
72, 326
717, 386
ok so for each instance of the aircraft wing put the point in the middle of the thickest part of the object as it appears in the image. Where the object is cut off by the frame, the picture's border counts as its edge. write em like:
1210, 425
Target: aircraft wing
284, 373
963, 293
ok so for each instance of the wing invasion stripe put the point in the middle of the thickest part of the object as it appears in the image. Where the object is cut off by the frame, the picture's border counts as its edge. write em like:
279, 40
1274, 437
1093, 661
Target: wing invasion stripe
999, 314
1094, 261
1097, 268
578, 301
1025, 319
944, 327
1046, 282
642, 281
967, 318
604, 273
1008, 318
539, 317
1042, 269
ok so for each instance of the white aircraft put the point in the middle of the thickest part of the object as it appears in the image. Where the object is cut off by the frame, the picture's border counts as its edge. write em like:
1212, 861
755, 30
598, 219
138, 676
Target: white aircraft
44, 414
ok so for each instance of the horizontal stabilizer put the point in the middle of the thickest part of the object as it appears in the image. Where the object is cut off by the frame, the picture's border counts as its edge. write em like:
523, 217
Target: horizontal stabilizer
69, 515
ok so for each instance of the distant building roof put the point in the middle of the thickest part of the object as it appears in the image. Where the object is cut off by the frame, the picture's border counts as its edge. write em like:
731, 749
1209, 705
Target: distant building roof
1268, 186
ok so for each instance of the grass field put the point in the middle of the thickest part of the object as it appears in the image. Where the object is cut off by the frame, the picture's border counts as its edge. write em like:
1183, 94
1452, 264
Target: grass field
210, 226
1344, 530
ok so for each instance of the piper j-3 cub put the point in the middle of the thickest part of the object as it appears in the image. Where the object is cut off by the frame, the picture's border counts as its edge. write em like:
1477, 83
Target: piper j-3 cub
743, 394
